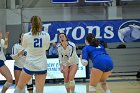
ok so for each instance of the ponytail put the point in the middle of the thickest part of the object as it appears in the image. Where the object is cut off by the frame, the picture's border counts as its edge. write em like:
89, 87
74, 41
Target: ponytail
36, 25
92, 40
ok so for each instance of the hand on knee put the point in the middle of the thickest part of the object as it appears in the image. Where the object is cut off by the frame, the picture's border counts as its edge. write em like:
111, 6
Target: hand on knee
92, 88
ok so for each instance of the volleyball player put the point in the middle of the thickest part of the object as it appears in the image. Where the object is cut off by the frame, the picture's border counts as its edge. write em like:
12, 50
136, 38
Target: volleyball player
102, 63
19, 55
68, 62
36, 42
3, 68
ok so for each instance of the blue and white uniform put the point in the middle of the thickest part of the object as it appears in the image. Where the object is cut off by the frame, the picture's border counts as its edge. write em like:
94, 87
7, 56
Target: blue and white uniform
19, 60
101, 60
2, 56
36, 46
68, 56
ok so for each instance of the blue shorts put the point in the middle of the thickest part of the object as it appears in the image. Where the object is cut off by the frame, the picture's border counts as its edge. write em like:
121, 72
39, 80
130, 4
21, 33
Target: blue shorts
103, 63
1, 63
34, 72
17, 68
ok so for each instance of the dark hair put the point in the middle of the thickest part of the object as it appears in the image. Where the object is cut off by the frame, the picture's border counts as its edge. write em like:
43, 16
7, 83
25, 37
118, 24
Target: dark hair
103, 43
64, 35
36, 25
20, 38
92, 40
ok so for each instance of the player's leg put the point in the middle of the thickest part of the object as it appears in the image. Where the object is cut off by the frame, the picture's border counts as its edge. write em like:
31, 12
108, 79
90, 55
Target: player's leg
40, 82
7, 74
66, 78
95, 77
107, 72
24, 78
103, 81
30, 86
17, 72
73, 70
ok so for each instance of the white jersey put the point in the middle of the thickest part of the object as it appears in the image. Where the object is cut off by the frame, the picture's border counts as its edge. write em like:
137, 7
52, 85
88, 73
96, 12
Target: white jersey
19, 60
36, 47
68, 56
2, 56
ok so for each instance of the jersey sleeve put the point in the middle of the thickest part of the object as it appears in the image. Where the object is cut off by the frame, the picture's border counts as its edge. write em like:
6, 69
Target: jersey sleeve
14, 52
84, 54
2, 42
24, 42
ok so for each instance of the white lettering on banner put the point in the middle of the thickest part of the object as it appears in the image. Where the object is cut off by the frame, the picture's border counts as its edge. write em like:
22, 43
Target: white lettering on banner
68, 30
61, 30
55, 38
97, 29
90, 29
98, 32
74, 32
108, 30
46, 27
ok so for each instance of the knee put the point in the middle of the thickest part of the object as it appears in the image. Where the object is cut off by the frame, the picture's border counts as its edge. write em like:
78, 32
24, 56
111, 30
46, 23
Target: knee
29, 87
103, 83
7, 84
67, 85
10, 80
66, 80
72, 83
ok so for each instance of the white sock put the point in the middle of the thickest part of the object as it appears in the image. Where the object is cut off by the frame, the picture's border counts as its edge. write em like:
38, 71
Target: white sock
108, 91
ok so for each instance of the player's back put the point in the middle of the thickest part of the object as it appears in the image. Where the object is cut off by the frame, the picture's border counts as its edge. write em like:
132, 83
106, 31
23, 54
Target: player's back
36, 45
93, 51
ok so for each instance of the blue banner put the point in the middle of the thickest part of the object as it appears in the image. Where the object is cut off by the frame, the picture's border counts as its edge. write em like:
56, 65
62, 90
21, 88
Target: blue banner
106, 30
98, 1
64, 1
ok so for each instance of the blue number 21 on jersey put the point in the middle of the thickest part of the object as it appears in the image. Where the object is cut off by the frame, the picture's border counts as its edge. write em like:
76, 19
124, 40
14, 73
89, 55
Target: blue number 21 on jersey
37, 42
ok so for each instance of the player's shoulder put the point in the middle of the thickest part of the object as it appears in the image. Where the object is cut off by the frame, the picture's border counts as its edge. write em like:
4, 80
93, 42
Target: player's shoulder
86, 47
71, 43
44, 33
16, 45
28, 34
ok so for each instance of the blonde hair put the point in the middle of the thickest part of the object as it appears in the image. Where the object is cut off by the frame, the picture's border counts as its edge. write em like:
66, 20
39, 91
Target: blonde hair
36, 25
